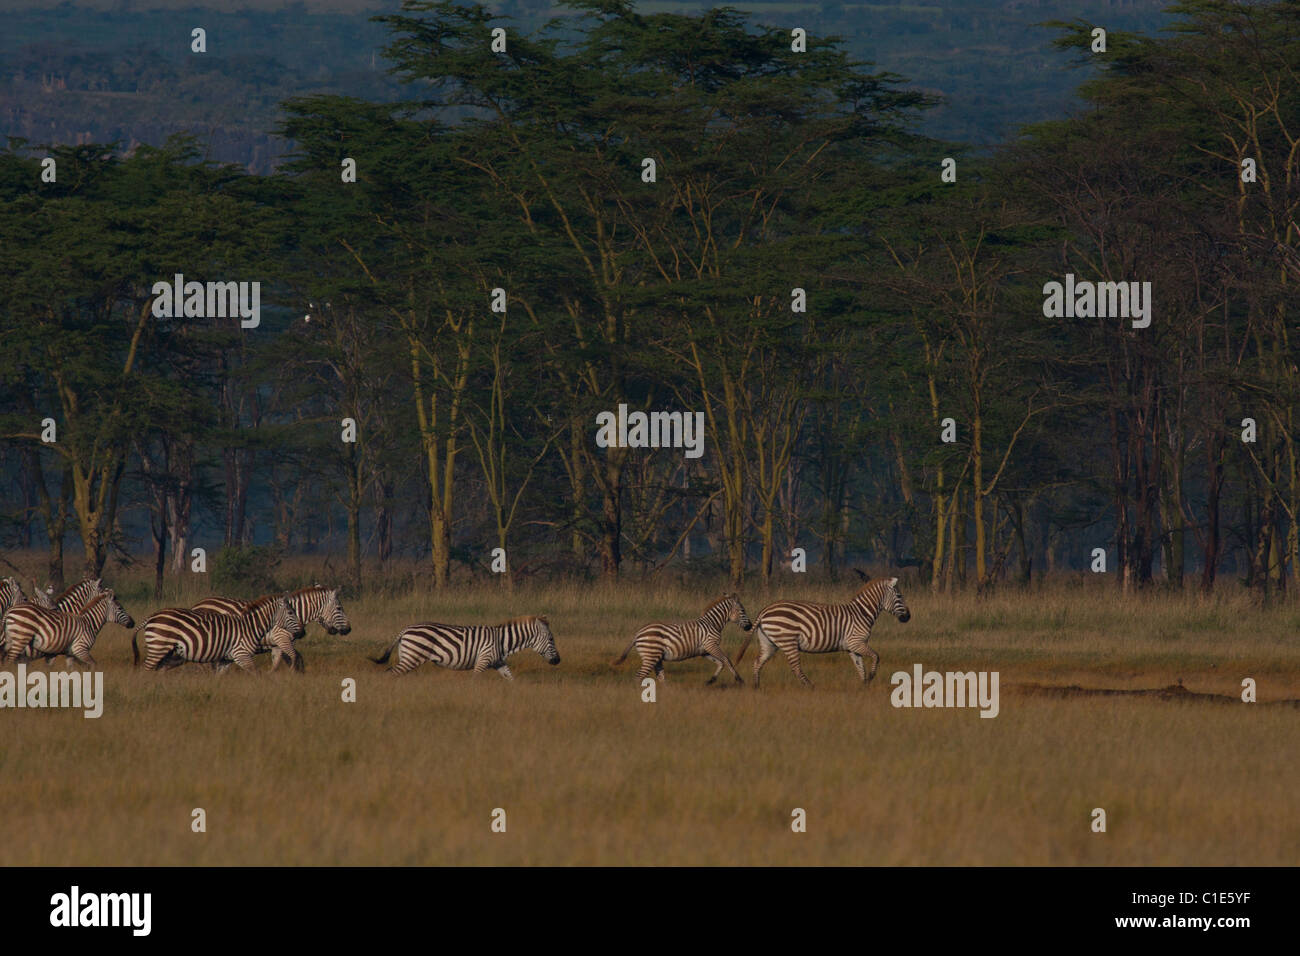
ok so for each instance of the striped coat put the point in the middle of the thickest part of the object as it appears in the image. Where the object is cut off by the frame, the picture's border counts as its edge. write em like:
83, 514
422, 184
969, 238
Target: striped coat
465, 647
31, 630
656, 643
180, 635
794, 626
309, 604
71, 601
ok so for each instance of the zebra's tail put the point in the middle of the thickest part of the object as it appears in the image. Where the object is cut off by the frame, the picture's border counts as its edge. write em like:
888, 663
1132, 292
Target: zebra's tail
383, 658
626, 651
749, 636
135, 651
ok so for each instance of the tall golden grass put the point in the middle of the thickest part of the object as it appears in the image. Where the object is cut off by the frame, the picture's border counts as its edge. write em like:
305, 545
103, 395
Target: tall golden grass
587, 773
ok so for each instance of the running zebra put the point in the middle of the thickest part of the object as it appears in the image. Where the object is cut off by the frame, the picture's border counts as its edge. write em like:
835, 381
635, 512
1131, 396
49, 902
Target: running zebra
309, 604
794, 626
656, 643
10, 594
73, 600
35, 631
464, 647
178, 635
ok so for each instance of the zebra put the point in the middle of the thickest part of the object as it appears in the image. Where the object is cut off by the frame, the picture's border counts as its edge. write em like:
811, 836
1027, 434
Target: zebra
32, 630
310, 604
178, 635
794, 626
11, 593
656, 643
464, 647
71, 601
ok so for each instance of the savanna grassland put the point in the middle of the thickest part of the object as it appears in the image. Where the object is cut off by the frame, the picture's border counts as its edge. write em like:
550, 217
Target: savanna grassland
589, 774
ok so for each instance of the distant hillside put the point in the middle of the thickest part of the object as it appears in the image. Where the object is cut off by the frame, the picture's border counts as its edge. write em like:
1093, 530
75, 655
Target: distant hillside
94, 71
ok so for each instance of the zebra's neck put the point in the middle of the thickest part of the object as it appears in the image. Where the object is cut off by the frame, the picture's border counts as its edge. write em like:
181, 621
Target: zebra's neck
716, 617
307, 603
512, 637
257, 620
867, 603
96, 614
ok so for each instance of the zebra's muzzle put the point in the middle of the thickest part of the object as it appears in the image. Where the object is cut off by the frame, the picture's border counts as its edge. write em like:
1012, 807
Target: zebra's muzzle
904, 617
554, 660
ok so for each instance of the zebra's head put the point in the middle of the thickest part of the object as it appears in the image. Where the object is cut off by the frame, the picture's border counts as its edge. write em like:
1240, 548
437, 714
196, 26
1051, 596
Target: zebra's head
10, 593
332, 616
892, 601
42, 597
116, 613
543, 641
284, 618
736, 612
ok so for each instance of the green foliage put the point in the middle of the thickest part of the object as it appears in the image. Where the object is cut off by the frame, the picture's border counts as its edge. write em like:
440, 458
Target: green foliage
245, 572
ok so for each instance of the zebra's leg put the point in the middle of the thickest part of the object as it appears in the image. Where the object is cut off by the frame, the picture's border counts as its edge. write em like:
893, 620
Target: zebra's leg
156, 653
792, 658
720, 658
649, 662
504, 671
406, 661
717, 670
243, 658
282, 648
856, 649
875, 662
857, 662
766, 651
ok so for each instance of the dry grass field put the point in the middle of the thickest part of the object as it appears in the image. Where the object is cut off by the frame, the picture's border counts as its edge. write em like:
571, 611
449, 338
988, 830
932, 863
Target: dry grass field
589, 774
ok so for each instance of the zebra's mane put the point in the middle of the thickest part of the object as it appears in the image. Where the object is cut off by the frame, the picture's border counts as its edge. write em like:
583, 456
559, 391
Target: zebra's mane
525, 619
722, 600
84, 582
310, 590
876, 587
101, 596
263, 601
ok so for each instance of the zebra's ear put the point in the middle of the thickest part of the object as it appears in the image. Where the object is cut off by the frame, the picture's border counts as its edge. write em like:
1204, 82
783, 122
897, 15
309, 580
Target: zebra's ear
544, 620
893, 582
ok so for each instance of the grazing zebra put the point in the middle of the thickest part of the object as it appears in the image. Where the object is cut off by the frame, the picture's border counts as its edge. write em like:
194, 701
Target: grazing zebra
310, 604
794, 626
657, 643
182, 634
36, 631
462, 646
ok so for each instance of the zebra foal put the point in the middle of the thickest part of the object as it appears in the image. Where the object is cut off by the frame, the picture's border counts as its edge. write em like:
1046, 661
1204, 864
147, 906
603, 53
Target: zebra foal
656, 643
463, 647
794, 626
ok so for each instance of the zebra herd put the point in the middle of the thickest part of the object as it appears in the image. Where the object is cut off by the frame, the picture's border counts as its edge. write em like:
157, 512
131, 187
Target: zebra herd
220, 632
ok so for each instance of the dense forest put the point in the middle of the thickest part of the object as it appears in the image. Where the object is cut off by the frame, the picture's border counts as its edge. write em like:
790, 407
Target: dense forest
124, 71
691, 214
